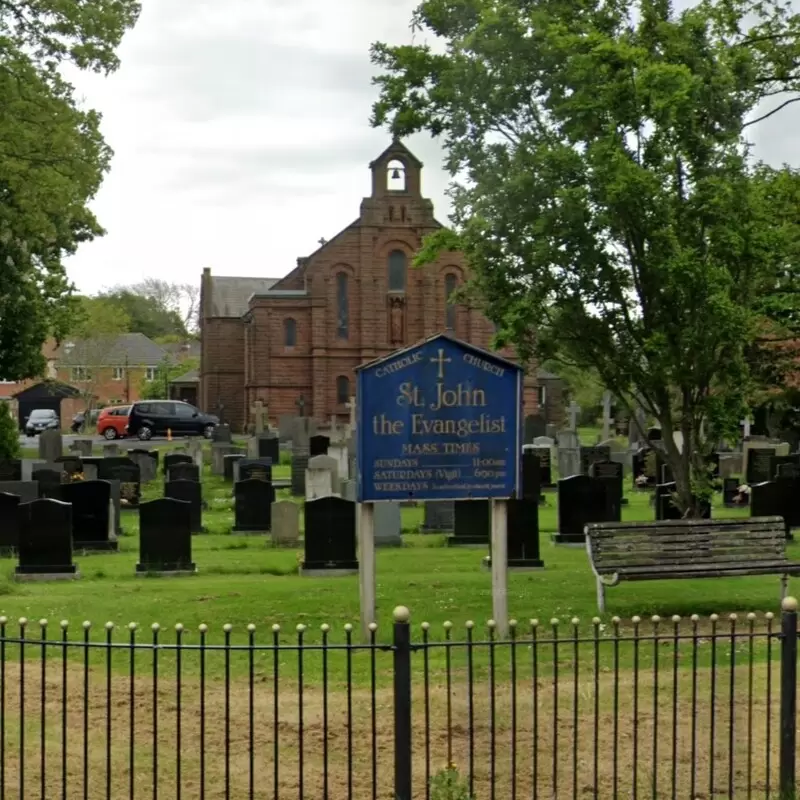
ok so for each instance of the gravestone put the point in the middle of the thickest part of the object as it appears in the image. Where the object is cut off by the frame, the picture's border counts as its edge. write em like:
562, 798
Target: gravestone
523, 535
758, 462
29, 465
11, 470
330, 537
72, 467
45, 541
780, 461
610, 474
222, 434
569, 454
530, 469
106, 466
253, 506
130, 484
645, 469
322, 477
544, 454
265, 446
438, 516
768, 499
176, 458
218, 453
92, 515
183, 472
227, 464
148, 465
116, 502
341, 455
581, 500
665, 508
387, 524
109, 450
591, 454
192, 493
731, 496
50, 445
9, 523
286, 425
302, 431
254, 469
285, 523
654, 434
27, 491
318, 445
165, 537
534, 426
471, 524
83, 447
50, 482
730, 464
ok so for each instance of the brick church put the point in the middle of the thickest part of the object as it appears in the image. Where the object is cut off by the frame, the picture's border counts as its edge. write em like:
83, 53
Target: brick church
294, 342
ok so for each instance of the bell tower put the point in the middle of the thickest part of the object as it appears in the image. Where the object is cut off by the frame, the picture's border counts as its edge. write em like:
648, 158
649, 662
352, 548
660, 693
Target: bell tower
396, 172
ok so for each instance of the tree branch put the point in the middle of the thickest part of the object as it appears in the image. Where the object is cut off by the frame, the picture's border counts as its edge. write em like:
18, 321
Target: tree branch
770, 113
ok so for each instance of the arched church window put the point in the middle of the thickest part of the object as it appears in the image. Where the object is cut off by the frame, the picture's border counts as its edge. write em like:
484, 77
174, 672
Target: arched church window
342, 390
397, 271
450, 284
289, 332
342, 306
396, 176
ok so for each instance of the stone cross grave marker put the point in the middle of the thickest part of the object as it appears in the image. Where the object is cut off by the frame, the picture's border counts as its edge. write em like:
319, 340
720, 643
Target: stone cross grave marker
260, 412
746, 423
607, 420
574, 409
352, 407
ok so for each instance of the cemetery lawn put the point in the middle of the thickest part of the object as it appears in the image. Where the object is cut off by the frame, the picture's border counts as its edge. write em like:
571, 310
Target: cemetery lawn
243, 579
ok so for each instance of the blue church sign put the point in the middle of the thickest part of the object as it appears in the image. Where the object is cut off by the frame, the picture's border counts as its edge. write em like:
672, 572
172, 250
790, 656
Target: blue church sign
438, 421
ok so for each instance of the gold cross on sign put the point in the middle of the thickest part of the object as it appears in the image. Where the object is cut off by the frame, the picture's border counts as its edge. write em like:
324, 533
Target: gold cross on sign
441, 361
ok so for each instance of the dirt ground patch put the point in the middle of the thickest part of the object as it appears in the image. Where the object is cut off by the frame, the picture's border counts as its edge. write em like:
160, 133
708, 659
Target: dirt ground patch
577, 732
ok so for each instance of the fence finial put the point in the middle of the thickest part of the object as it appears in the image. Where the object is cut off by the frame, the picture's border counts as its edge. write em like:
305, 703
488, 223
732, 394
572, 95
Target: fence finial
401, 614
789, 604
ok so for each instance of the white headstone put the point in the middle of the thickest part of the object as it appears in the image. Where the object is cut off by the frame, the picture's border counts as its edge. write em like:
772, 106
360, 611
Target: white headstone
574, 409
322, 477
340, 454
285, 523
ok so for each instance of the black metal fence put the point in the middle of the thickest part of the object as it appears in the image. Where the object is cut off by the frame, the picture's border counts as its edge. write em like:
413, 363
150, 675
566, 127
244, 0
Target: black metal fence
629, 709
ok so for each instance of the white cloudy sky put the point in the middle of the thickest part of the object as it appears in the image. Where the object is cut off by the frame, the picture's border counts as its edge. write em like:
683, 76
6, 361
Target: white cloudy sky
241, 136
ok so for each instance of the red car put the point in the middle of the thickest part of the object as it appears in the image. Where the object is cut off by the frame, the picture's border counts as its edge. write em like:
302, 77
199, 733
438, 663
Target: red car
112, 421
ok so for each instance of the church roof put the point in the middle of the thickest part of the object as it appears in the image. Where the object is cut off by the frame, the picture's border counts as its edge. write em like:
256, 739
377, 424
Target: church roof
397, 148
230, 296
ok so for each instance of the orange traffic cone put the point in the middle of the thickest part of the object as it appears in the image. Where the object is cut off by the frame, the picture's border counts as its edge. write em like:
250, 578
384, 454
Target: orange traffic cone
169, 434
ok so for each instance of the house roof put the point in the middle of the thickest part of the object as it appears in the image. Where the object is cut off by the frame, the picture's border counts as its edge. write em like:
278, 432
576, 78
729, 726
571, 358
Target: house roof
192, 376
230, 296
127, 349
47, 389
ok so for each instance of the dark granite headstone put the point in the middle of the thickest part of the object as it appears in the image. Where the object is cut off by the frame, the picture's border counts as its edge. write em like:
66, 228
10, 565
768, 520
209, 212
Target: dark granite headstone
665, 508
299, 465
438, 516
471, 523
72, 466
45, 539
183, 472
165, 536
768, 499
269, 447
92, 523
50, 483
581, 500
731, 496
591, 454
11, 470
130, 484
534, 426
646, 464
654, 435
255, 469
254, 499
545, 467
531, 474
610, 473
176, 458
318, 445
9, 523
759, 464
793, 461
330, 535
191, 492
142, 451
523, 534
227, 464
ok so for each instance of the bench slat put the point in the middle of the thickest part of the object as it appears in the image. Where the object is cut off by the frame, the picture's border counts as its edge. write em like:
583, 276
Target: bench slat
789, 569
611, 567
686, 523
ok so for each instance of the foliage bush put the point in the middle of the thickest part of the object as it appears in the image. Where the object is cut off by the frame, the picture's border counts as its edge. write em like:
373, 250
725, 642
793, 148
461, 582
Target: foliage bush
9, 434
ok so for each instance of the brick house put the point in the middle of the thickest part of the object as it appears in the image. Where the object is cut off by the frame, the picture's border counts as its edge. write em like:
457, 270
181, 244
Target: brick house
295, 341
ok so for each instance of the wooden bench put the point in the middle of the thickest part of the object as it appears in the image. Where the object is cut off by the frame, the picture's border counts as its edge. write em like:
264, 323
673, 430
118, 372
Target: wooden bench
690, 548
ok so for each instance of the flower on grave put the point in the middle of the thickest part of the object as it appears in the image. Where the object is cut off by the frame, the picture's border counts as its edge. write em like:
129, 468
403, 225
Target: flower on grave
642, 480
744, 489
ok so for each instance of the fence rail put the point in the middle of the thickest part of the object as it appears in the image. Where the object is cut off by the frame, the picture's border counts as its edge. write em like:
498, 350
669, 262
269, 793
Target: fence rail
632, 709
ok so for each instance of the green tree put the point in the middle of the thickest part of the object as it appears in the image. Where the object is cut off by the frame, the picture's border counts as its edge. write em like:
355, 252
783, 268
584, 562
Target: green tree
52, 161
158, 388
9, 434
147, 315
605, 195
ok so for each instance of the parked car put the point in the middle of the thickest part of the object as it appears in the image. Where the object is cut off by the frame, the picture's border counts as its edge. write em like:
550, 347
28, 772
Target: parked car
42, 419
148, 418
112, 422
